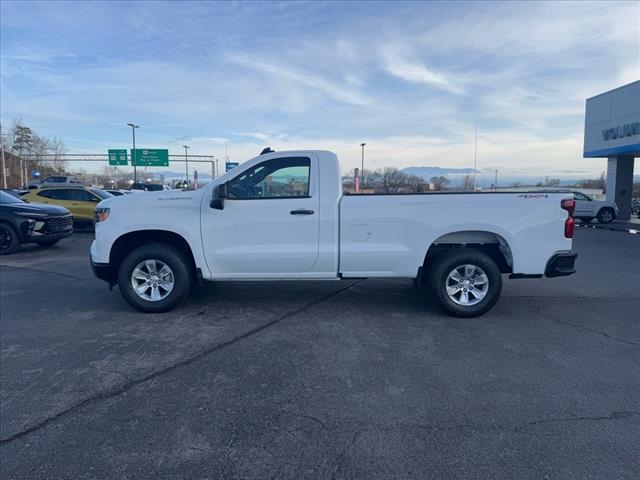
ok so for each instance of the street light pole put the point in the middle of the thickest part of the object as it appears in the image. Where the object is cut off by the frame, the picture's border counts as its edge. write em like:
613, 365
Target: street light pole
133, 152
4, 168
362, 169
186, 161
495, 182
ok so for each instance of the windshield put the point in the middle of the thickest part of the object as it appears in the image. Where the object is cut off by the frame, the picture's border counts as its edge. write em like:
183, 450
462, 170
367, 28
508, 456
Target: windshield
101, 193
8, 198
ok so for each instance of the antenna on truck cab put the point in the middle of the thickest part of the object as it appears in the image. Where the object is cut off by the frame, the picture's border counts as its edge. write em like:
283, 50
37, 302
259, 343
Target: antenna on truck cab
267, 150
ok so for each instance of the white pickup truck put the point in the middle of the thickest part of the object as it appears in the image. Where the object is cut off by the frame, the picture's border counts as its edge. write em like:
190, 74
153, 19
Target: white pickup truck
282, 215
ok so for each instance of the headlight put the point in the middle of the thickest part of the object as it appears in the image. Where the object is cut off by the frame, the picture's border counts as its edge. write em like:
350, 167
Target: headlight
101, 214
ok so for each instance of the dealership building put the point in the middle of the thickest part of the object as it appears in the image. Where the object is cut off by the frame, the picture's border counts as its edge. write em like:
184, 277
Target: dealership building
612, 131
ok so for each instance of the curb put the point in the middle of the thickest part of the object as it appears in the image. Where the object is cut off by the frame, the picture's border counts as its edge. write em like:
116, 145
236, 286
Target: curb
614, 228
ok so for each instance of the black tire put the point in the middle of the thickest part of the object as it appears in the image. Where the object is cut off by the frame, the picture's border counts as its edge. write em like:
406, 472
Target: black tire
606, 215
446, 263
177, 263
9, 239
47, 243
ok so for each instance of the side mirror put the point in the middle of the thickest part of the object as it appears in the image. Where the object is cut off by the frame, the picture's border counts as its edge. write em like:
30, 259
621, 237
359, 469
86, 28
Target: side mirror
219, 194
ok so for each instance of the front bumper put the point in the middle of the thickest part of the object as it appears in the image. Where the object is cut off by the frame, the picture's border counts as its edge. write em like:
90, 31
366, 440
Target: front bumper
561, 264
50, 228
50, 236
104, 272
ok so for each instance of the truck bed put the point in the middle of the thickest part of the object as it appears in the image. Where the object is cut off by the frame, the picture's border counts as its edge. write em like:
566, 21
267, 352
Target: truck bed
397, 229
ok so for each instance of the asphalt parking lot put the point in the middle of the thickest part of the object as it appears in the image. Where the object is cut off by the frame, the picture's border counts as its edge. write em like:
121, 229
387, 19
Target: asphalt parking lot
362, 379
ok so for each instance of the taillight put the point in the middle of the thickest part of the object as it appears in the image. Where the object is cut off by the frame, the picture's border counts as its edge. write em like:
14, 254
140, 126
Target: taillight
569, 223
569, 204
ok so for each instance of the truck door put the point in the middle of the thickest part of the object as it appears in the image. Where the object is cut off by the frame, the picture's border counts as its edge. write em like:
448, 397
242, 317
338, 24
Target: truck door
274, 206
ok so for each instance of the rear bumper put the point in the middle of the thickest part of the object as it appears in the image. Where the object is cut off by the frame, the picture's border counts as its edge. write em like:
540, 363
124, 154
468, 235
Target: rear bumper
561, 264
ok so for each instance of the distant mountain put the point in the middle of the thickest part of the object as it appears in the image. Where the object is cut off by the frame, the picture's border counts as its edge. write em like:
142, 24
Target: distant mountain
427, 172
486, 178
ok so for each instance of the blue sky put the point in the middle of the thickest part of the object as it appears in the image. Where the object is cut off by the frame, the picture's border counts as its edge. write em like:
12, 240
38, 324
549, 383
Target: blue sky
412, 80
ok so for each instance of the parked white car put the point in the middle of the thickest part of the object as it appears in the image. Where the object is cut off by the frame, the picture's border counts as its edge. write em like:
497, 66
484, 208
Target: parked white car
587, 209
282, 215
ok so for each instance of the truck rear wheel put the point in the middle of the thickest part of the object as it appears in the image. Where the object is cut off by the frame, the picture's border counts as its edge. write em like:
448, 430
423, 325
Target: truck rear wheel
466, 282
154, 278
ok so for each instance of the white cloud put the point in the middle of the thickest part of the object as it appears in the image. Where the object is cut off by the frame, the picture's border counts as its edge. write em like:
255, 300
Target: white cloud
398, 65
311, 80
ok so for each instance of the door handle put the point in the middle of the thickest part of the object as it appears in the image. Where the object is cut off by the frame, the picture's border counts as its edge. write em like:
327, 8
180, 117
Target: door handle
301, 211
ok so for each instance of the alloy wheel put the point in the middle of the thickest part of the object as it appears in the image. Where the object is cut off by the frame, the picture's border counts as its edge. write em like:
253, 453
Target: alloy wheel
467, 285
152, 280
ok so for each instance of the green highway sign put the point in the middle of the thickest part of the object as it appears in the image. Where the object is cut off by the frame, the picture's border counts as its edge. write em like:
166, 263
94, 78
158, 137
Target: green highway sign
147, 157
117, 157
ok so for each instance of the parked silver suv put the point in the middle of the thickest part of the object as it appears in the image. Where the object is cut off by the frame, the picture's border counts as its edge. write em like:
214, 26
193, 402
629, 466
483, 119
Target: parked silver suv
54, 180
587, 209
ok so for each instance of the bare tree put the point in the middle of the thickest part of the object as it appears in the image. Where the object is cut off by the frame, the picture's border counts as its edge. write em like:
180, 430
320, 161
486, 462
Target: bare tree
600, 182
415, 184
390, 179
440, 182
549, 182
57, 148
31, 153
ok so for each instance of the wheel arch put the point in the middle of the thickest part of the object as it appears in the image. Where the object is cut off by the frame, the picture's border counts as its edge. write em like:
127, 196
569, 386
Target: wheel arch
489, 242
132, 240
605, 207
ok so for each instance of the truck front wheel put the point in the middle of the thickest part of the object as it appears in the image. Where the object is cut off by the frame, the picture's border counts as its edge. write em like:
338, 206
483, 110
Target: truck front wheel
466, 282
154, 278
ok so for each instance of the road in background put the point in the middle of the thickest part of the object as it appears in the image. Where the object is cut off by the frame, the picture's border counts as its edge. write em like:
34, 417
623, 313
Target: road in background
359, 379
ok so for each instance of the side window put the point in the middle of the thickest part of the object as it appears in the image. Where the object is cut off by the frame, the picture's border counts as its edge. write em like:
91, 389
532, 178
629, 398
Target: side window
55, 194
81, 195
44, 193
579, 196
277, 178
